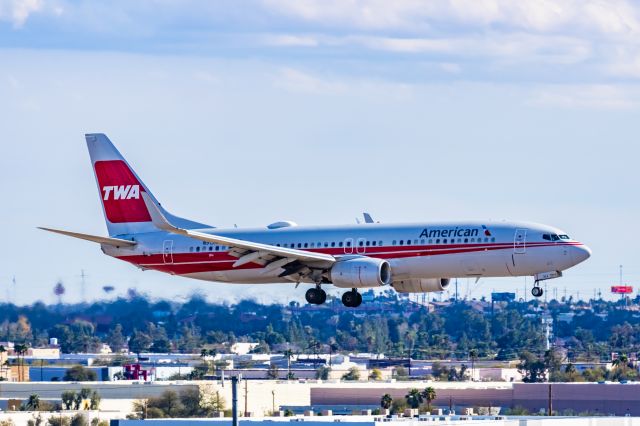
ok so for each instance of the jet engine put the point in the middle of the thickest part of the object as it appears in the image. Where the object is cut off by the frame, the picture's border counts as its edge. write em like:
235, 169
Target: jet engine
425, 285
360, 272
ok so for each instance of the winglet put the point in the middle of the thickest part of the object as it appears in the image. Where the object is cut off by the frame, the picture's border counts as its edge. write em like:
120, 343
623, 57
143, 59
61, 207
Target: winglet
158, 219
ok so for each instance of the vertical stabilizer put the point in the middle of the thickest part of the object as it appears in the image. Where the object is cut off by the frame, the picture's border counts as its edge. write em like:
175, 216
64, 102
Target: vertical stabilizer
120, 191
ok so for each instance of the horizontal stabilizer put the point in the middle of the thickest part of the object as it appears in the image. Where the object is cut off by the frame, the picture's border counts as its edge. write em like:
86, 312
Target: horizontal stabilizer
116, 242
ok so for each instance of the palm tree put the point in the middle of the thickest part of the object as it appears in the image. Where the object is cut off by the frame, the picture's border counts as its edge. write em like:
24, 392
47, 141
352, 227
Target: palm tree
414, 398
473, 354
33, 403
429, 394
20, 350
386, 401
288, 353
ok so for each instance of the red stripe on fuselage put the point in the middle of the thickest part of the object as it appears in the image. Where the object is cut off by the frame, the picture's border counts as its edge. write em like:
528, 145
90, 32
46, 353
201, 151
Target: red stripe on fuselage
205, 261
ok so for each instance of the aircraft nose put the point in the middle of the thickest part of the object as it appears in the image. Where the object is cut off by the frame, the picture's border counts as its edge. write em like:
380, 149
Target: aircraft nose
580, 253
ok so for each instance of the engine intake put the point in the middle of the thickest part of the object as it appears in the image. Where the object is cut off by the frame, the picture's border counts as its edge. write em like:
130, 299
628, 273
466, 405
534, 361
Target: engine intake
424, 285
361, 272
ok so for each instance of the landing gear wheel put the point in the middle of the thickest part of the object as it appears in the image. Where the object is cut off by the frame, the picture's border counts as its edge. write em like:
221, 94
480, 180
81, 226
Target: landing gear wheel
537, 291
351, 299
315, 296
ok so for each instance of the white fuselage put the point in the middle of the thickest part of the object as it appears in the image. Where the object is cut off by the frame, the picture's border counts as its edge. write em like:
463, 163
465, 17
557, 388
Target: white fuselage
421, 250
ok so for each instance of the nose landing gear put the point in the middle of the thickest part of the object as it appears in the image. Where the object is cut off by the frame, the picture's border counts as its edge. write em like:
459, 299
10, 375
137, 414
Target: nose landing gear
316, 296
351, 299
537, 290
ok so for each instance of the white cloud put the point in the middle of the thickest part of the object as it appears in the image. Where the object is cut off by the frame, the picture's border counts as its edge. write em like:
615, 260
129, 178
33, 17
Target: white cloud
17, 11
586, 97
611, 17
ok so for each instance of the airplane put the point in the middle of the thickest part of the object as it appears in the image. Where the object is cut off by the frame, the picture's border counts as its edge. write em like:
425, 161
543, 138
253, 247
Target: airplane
410, 258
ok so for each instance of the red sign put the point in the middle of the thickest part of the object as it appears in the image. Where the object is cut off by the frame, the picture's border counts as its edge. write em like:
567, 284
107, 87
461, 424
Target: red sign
621, 289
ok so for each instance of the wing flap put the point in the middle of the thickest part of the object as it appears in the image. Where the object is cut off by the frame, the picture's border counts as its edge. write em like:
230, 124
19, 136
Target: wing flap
116, 242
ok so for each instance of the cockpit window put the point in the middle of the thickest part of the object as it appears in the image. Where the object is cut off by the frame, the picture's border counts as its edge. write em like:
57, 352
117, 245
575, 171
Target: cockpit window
564, 237
546, 237
554, 237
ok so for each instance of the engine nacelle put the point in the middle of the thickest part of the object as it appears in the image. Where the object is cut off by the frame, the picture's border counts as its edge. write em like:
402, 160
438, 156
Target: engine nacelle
361, 272
424, 285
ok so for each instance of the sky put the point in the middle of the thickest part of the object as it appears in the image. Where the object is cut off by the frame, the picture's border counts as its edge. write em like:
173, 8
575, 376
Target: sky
251, 111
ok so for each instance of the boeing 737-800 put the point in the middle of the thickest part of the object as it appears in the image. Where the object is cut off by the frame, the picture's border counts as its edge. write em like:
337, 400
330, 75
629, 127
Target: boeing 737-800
412, 258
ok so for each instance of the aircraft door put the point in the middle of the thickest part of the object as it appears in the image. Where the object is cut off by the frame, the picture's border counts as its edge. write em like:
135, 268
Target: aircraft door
520, 241
167, 251
348, 246
361, 248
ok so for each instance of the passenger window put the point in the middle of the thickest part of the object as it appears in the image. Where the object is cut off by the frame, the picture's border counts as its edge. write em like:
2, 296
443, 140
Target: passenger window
466, 240
486, 240
326, 244
210, 248
306, 245
191, 249
333, 244
312, 245
198, 248
380, 243
373, 243
493, 239
430, 241
360, 243
348, 243
393, 243
438, 241
401, 242
444, 241
340, 244
422, 241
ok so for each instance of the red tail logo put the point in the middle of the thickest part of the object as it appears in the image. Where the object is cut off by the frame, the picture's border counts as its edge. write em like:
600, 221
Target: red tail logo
120, 192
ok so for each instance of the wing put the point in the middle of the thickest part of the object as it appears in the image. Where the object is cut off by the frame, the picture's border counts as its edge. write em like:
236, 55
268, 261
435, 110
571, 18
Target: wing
116, 242
246, 251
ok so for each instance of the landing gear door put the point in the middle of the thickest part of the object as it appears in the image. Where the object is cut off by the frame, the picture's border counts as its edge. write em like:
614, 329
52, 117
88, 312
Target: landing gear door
167, 251
520, 241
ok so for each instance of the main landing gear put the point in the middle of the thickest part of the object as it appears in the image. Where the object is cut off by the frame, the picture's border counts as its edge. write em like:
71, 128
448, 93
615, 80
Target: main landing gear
537, 290
352, 299
316, 296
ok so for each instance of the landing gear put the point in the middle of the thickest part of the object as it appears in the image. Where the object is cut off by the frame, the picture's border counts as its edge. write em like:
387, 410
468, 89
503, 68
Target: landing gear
537, 290
316, 296
352, 299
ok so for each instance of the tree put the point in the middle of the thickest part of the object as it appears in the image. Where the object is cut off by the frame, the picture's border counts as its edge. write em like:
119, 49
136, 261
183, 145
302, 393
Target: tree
33, 403
20, 349
79, 419
116, 340
352, 374
95, 400
68, 397
375, 374
58, 421
288, 354
429, 395
78, 373
385, 401
273, 372
532, 368
322, 372
414, 398
139, 342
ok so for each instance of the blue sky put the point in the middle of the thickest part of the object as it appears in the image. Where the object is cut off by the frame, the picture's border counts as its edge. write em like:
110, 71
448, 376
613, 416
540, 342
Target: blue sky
248, 112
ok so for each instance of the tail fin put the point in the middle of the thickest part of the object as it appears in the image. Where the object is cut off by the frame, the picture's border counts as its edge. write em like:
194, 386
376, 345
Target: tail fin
120, 191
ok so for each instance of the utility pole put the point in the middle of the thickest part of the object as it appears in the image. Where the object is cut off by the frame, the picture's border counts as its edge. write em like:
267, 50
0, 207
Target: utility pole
550, 408
273, 402
246, 392
234, 400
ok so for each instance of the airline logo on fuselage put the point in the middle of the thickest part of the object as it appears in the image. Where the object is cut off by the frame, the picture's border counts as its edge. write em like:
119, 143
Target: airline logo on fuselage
449, 233
121, 192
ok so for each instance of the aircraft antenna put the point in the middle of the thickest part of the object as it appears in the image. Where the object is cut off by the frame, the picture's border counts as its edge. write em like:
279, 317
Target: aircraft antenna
83, 286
